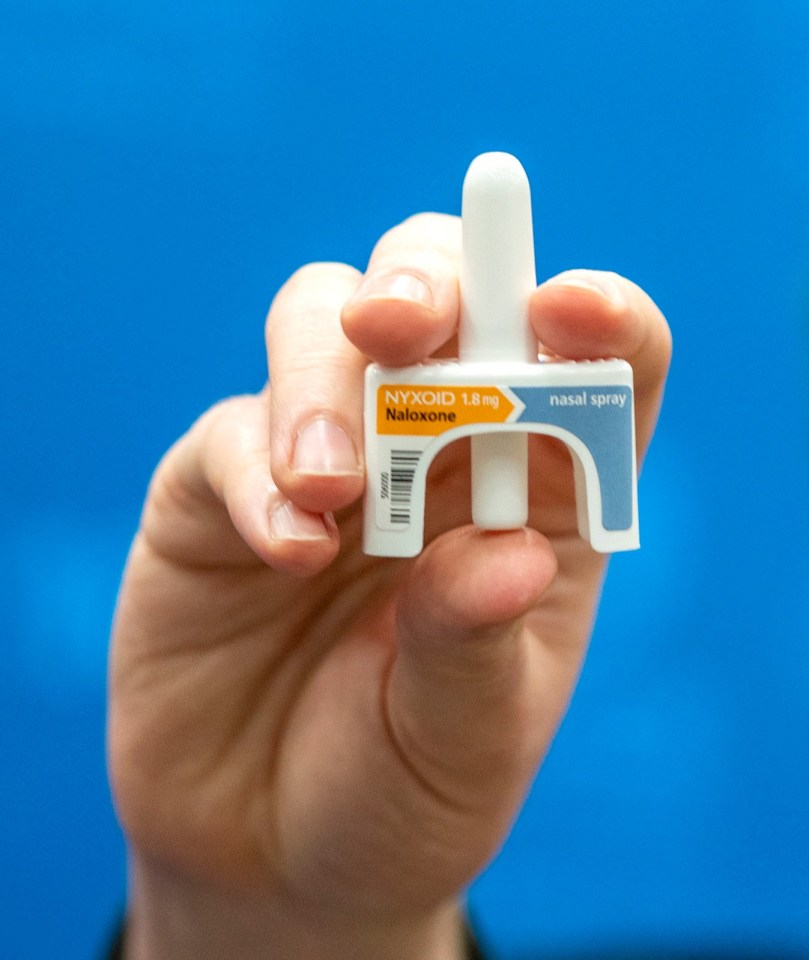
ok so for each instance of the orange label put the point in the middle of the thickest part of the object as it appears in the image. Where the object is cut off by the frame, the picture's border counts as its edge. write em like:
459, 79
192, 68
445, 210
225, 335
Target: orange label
429, 410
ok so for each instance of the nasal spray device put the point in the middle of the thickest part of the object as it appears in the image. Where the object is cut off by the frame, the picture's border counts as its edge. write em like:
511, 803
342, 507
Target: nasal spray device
497, 392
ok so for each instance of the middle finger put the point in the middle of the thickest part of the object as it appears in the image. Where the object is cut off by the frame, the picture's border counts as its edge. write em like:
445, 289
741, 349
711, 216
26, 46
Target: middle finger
315, 390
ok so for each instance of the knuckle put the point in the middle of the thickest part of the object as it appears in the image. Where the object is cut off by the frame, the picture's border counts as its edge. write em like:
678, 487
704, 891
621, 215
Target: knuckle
319, 272
423, 239
426, 263
319, 283
320, 366
226, 419
428, 222
224, 412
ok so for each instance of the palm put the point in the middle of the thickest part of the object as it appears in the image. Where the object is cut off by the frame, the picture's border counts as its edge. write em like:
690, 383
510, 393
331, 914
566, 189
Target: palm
267, 728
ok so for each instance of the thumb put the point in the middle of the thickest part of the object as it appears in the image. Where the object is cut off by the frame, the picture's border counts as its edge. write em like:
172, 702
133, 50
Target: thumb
462, 694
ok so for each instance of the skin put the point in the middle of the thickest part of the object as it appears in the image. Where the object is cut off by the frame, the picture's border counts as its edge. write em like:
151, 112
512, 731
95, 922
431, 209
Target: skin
313, 751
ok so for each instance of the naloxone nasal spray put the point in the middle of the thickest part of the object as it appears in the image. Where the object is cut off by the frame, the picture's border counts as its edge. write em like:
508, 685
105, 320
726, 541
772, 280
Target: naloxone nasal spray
497, 392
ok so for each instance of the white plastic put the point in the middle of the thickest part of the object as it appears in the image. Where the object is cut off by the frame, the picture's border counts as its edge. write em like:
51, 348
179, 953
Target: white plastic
497, 279
592, 476
497, 393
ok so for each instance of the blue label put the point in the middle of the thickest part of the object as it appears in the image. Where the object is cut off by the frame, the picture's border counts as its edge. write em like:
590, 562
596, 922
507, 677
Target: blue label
601, 417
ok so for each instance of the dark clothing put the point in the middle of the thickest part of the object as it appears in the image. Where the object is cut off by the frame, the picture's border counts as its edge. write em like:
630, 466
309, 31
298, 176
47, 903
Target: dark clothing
116, 951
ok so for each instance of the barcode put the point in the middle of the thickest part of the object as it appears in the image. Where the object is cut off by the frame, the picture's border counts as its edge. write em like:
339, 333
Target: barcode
403, 465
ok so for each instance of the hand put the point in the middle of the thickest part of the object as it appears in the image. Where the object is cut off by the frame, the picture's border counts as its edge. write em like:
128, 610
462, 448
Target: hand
313, 751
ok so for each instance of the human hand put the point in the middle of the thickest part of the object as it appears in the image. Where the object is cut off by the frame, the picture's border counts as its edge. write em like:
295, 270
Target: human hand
313, 751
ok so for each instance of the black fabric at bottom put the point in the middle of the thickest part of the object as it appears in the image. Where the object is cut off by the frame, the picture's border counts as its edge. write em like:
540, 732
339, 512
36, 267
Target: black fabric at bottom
116, 948
115, 951
473, 951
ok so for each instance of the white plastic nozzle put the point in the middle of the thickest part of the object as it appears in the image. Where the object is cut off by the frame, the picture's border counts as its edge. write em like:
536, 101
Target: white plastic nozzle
497, 278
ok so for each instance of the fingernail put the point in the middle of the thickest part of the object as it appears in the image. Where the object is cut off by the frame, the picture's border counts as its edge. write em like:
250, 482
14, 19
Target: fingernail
287, 522
601, 283
323, 447
395, 286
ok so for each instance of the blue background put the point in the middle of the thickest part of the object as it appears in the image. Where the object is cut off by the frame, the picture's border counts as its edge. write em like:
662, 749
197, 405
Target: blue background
164, 167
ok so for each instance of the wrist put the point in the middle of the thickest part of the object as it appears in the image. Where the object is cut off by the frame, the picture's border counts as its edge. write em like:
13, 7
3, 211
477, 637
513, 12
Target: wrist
174, 918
